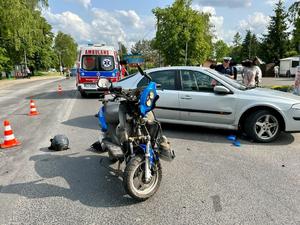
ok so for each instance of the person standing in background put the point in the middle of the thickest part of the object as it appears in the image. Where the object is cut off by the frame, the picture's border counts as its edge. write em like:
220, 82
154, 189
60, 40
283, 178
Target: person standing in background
249, 73
258, 78
276, 71
232, 64
124, 72
225, 68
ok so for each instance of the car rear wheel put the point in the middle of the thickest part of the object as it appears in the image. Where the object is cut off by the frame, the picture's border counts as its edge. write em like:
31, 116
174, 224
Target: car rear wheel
262, 126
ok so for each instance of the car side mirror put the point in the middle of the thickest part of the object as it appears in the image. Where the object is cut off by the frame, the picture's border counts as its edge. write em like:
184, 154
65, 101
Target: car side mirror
221, 90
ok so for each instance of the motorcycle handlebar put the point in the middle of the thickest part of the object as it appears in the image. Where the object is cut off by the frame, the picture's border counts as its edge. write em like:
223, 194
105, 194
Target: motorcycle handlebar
144, 74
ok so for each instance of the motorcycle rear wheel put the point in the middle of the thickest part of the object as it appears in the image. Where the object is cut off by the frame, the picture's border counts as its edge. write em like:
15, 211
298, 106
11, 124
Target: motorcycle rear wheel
134, 179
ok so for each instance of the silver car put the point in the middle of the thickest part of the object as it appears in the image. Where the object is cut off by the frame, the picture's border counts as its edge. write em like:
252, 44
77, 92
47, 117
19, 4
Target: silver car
201, 96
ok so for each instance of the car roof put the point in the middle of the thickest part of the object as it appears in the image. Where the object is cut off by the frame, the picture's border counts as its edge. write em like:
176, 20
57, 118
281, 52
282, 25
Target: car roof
133, 79
176, 68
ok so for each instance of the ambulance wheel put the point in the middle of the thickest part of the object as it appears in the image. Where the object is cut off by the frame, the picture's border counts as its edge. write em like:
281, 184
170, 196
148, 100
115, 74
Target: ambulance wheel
83, 94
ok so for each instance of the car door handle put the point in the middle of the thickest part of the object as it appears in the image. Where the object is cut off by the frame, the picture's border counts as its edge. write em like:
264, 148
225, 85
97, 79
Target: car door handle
186, 97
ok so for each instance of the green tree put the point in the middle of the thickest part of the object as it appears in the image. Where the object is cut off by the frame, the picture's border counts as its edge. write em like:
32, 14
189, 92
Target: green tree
221, 50
250, 46
22, 33
145, 48
66, 47
294, 11
122, 50
275, 42
183, 35
236, 48
246, 46
3, 59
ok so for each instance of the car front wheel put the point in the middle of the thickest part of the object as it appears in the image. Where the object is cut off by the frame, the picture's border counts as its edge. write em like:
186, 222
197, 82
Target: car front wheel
262, 126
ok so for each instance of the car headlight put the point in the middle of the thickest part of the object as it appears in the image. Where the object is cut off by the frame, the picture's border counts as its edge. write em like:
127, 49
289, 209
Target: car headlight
296, 106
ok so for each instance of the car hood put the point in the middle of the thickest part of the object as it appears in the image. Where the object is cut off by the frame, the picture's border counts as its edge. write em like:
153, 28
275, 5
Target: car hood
278, 95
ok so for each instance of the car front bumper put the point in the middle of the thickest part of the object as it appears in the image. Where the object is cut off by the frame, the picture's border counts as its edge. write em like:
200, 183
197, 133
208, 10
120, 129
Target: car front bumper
292, 121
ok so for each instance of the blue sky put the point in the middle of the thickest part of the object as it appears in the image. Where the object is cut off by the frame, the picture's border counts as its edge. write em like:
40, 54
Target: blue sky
98, 21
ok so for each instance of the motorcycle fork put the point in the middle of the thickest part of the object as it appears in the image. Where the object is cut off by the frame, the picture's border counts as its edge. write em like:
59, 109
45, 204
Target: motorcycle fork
147, 161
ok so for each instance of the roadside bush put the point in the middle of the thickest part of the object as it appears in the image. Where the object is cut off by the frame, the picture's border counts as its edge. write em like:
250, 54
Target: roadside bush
285, 88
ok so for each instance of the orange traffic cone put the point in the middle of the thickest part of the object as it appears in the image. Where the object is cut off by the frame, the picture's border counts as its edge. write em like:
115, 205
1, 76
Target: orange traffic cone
33, 111
9, 137
59, 89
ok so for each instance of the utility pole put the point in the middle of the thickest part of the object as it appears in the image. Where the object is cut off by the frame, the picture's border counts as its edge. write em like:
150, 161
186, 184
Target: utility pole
25, 59
60, 64
299, 52
186, 49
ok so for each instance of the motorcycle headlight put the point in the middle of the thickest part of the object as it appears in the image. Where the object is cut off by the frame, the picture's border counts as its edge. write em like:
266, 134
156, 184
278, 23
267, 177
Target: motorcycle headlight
150, 99
151, 95
149, 102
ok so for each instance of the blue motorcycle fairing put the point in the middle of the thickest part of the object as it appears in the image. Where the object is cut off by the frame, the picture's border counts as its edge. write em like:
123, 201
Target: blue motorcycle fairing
143, 146
144, 97
101, 119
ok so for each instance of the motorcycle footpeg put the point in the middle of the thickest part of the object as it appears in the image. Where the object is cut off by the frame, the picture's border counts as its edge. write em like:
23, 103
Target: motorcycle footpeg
114, 149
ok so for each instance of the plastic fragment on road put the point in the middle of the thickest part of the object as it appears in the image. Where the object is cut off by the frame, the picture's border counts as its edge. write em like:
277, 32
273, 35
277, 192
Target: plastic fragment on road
231, 137
236, 143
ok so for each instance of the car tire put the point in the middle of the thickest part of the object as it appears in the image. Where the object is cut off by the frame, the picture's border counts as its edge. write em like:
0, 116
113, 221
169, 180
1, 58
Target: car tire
262, 126
83, 94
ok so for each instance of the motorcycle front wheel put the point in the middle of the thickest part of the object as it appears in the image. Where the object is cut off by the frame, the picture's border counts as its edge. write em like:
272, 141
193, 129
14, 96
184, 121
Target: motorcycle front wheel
134, 179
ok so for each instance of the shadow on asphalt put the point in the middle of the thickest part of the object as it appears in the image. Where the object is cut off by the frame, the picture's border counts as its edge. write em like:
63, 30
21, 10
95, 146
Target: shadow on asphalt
186, 132
205, 134
68, 94
65, 94
87, 122
90, 180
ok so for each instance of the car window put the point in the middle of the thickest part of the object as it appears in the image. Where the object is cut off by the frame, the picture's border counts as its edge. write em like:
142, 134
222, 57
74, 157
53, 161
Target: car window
197, 81
188, 81
165, 78
106, 63
226, 79
98, 63
89, 63
127, 77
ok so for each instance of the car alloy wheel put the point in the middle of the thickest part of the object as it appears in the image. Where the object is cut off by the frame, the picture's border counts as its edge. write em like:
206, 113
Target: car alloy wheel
262, 126
266, 127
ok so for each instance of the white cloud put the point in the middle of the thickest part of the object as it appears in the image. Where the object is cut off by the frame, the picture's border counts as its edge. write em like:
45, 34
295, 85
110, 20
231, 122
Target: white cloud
217, 23
256, 23
130, 18
69, 23
105, 27
225, 3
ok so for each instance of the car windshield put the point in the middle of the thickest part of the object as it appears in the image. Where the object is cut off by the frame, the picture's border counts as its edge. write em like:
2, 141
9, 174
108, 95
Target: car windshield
125, 78
226, 79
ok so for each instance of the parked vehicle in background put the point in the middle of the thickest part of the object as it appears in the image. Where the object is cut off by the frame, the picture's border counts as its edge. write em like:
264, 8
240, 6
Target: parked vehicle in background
52, 70
73, 72
288, 66
93, 62
201, 96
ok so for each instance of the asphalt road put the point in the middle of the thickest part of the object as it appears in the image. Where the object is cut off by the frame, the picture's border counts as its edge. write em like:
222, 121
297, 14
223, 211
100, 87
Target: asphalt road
210, 181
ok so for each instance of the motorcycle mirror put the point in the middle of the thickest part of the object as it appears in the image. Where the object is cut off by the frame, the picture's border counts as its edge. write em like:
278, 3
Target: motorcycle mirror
104, 84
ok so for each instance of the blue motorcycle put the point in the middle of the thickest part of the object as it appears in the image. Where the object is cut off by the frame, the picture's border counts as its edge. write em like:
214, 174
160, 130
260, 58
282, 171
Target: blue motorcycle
132, 135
